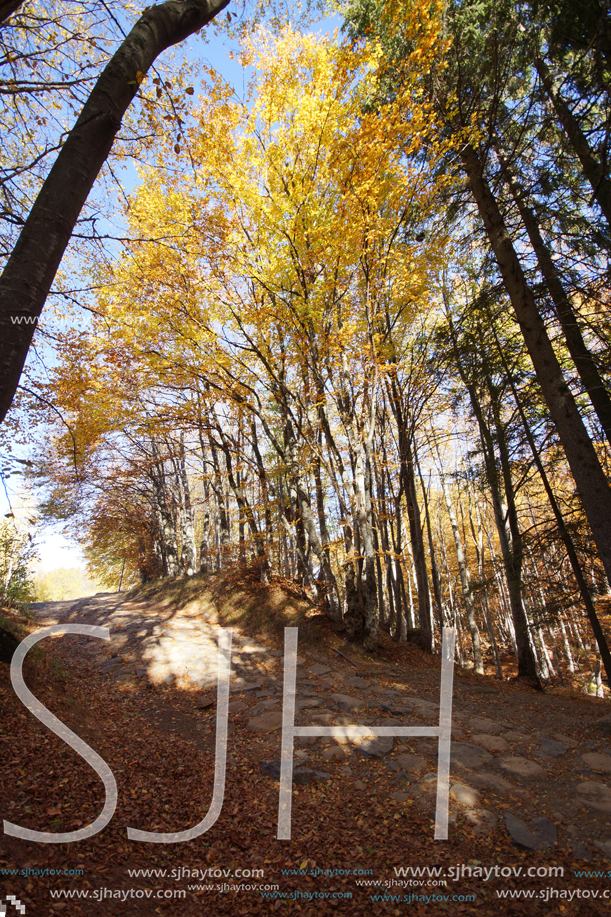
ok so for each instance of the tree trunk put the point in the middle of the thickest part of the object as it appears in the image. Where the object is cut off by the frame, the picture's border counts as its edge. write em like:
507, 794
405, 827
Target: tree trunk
578, 573
593, 170
204, 545
478, 539
434, 567
303, 509
187, 525
582, 358
590, 479
8, 7
31, 268
465, 578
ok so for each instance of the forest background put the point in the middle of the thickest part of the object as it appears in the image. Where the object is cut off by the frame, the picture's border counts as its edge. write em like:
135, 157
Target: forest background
352, 329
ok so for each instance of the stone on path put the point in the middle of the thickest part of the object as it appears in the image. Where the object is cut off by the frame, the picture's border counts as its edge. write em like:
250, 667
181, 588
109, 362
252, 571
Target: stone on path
566, 740
523, 767
581, 852
550, 748
202, 703
495, 782
111, 664
423, 707
207, 681
413, 764
598, 762
481, 820
357, 682
468, 755
335, 752
481, 724
377, 747
544, 833
237, 706
350, 732
326, 717
319, 669
514, 736
595, 795
491, 743
605, 846
393, 708
307, 740
348, 703
241, 688
464, 795
266, 722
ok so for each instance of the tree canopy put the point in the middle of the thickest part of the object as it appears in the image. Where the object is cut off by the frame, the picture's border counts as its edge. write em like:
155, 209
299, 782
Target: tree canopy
356, 332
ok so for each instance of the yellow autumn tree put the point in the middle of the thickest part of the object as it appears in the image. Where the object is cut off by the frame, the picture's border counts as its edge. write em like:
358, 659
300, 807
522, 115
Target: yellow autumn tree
293, 263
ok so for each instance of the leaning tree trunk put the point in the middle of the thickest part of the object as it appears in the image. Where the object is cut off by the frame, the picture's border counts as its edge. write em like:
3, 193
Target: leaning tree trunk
593, 170
31, 268
590, 479
582, 358
578, 573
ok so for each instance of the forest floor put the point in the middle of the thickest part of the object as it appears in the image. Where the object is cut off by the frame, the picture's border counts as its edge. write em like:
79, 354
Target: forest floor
530, 771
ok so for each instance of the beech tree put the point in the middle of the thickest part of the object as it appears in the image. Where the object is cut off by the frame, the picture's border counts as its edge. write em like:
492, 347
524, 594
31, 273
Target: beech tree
267, 369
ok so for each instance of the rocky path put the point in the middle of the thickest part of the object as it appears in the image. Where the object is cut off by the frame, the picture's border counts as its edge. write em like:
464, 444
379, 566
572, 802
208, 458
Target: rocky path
539, 764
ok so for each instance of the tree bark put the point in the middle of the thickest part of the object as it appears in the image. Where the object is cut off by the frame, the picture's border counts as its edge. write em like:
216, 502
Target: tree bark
578, 573
31, 268
465, 577
582, 358
187, 523
7, 8
590, 479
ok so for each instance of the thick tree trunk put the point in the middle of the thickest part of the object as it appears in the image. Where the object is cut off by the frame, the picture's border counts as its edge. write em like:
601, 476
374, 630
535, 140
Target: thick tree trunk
361, 618
590, 479
31, 268
584, 362
7, 8
222, 507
